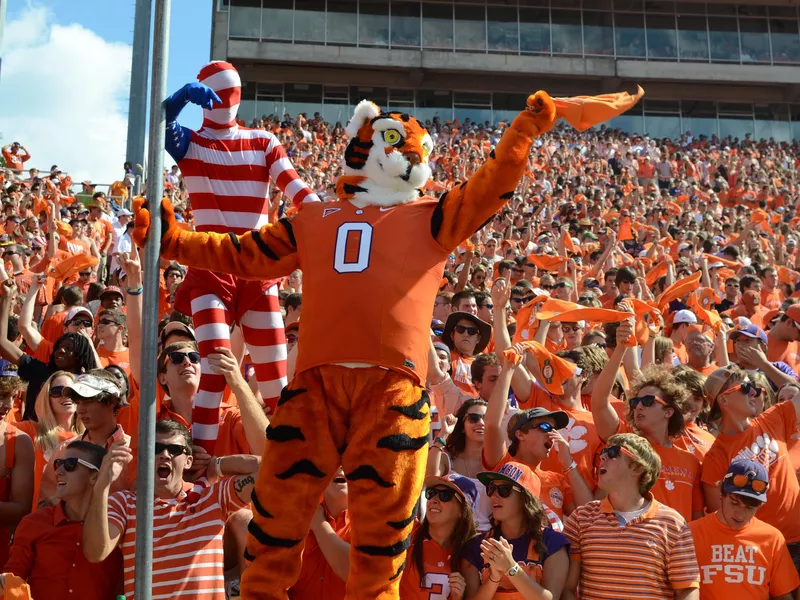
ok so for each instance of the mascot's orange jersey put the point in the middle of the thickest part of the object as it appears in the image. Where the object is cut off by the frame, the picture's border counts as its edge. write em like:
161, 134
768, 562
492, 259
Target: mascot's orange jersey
387, 259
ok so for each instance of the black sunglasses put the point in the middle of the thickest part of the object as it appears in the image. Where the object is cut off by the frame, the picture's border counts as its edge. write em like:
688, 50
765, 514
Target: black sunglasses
172, 449
445, 493
86, 274
71, 463
524, 300
177, 358
82, 322
464, 329
547, 288
475, 418
646, 401
107, 322
504, 490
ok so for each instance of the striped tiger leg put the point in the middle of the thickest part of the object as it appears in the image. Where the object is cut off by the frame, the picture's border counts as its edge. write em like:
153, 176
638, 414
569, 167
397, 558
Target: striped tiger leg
385, 466
299, 460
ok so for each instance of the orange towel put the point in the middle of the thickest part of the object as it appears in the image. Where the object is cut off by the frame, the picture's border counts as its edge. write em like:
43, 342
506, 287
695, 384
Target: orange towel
547, 262
678, 289
625, 231
583, 112
70, 266
555, 370
657, 272
16, 588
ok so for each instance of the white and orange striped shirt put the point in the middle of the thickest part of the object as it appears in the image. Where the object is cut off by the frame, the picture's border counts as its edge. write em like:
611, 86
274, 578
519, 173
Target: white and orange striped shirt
187, 541
647, 558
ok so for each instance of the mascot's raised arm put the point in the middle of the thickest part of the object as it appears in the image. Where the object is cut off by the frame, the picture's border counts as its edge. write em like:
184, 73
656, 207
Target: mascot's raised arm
227, 169
372, 264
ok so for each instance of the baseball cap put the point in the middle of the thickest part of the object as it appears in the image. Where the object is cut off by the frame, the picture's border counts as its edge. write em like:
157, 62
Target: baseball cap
74, 312
752, 331
684, 316
124, 212
683, 246
8, 369
716, 381
111, 290
793, 312
526, 416
753, 471
173, 326
441, 346
751, 298
91, 386
515, 473
463, 486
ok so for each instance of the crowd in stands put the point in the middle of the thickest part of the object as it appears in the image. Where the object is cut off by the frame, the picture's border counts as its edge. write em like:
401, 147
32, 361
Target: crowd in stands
574, 453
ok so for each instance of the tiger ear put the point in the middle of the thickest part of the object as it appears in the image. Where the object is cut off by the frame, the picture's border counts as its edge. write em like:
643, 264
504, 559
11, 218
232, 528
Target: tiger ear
365, 111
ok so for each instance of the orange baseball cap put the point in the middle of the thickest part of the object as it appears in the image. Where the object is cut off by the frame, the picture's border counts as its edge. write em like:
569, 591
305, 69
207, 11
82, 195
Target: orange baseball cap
793, 312
516, 474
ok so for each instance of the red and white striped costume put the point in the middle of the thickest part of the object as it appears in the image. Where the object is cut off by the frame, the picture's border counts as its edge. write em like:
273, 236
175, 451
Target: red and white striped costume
227, 170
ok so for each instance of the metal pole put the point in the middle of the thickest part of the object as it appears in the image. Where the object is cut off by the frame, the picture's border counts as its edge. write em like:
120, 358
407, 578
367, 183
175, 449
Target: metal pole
137, 104
147, 409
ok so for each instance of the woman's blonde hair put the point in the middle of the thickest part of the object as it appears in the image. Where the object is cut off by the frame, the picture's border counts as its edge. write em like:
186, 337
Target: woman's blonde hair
663, 346
766, 389
47, 427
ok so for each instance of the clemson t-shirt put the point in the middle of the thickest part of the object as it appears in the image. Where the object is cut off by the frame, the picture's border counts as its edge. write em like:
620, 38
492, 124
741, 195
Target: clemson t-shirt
749, 563
764, 441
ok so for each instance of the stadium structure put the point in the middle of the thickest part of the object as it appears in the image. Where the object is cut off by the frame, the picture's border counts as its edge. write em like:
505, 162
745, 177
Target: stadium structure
708, 67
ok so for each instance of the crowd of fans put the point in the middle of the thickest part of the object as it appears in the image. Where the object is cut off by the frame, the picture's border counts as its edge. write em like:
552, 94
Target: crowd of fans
573, 453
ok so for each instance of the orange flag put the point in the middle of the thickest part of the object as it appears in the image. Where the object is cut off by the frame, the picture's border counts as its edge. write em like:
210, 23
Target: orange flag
555, 370
625, 231
583, 112
678, 289
546, 261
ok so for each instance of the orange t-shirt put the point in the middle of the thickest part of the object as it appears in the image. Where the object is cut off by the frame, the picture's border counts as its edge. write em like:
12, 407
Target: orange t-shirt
696, 440
765, 441
317, 580
53, 327
436, 583
122, 359
772, 300
788, 352
462, 373
581, 433
751, 563
681, 353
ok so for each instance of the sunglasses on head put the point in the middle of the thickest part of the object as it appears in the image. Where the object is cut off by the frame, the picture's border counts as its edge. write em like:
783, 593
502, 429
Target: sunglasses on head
464, 329
177, 358
612, 452
475, 418
746, 387
747, 480
646, 401
71, 463
172, 449
503, 490
445, 493
81, 322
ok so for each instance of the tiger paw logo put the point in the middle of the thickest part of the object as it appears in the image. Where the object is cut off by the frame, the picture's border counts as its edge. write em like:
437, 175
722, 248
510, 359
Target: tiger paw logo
547, 371
574, 436
669, 484
763, 449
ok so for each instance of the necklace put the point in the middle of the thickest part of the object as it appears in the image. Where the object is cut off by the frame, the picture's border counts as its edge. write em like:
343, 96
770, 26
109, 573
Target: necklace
467, 463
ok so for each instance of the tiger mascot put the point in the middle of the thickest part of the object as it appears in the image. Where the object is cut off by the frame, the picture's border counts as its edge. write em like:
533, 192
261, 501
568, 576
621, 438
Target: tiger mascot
372, 264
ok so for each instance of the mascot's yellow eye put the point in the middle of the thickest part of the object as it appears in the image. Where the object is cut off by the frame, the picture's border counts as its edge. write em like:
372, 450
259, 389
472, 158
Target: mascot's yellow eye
391, 136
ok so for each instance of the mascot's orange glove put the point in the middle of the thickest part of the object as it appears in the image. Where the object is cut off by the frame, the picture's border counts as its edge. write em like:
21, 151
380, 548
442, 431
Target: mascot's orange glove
542, 105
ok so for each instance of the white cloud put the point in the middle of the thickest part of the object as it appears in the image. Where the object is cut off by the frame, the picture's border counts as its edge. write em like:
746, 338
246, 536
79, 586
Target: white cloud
64, 91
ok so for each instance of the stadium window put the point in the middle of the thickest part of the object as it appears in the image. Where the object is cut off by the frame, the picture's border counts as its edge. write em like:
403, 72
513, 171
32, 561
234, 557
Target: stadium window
222, 5
342, 23
247, 104
503, 27
276, 21
699, 117
566, 28
309, 21
662, 119
751, 10
244, 20
401, 99
379, 96
794, 113
693, 37
755, 40
475, 106
405, 23
785, 39
772, 121
432, 104
470, 27
534, 30
373, 23
726, 10
661, 36
303, 98
736, 120
632, 121
628, 5
437, 26
723, 39
269, 99
629, 31
598, 33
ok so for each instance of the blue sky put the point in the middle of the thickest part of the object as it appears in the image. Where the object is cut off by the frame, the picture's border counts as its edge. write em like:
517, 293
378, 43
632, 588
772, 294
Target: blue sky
83, 47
